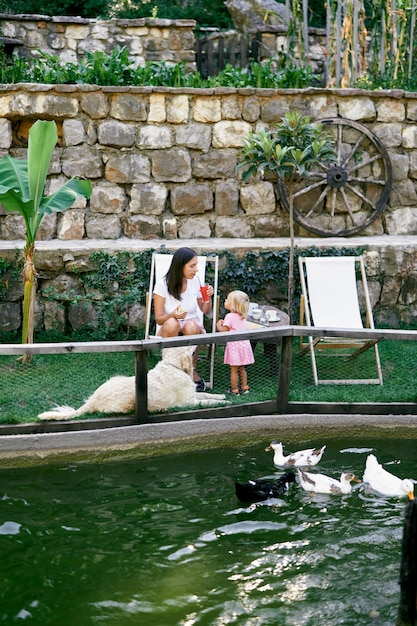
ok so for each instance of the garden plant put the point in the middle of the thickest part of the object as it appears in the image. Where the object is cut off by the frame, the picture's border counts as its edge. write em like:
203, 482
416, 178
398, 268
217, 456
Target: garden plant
22, 187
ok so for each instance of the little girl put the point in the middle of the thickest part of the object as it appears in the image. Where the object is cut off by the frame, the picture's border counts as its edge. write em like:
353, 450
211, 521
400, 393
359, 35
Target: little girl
238, 354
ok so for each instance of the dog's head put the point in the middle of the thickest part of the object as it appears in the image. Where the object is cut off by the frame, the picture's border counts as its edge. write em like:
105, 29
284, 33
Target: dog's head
181, 357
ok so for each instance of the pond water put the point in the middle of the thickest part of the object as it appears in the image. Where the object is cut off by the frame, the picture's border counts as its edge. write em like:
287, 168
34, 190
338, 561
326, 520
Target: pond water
165, 542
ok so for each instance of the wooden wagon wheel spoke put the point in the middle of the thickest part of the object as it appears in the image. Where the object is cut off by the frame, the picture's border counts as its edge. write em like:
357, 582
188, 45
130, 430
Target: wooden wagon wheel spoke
346, 197
347, 205
318, 202
362, 197
353, 151
357, 166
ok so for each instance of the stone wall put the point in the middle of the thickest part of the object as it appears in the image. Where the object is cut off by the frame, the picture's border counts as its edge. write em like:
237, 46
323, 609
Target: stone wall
162, 164
162, 160
70, 38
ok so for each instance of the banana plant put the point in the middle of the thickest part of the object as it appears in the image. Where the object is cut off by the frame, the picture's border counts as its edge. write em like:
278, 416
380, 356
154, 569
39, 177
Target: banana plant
22, 187
291, 150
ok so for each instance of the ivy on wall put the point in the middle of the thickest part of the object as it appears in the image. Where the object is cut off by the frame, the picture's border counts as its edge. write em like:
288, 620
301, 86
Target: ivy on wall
121, 280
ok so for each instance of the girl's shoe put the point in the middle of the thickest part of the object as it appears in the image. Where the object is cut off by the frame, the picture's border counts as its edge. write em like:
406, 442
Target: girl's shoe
200, 385
245, 390
234, 392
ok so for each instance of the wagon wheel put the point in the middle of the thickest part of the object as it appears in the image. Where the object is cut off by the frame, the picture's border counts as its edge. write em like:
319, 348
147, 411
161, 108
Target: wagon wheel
347, 196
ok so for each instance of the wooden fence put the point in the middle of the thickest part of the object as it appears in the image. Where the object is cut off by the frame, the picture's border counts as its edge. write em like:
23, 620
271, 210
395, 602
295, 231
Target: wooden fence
215, 52
280, 405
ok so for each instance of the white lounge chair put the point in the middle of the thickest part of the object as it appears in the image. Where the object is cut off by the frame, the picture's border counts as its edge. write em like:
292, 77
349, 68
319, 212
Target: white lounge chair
159, 267
330, 299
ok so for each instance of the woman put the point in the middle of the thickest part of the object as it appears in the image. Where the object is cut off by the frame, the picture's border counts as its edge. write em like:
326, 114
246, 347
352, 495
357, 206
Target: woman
177, 301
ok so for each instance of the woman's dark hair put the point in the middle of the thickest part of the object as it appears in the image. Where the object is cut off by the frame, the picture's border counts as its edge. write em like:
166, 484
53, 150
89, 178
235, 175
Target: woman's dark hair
175, 273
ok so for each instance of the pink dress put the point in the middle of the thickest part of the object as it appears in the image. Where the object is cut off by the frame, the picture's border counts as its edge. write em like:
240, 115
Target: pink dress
237, 352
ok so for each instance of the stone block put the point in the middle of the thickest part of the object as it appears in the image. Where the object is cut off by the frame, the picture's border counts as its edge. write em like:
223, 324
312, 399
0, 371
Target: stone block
82, 315
401, 221
71, 225
408, 293
103, 227
142, 227
226, 197
358, 109
116, 134
231, 108
137, 316
194, 228
157, 112
148, 199
64, 287
73, 132
251, 109
13, 227
258, 199
403, 193
270, 226
95, 105
207, 109
412, 171
390, 110
172, 165
412, 110
410, 136
54, 316
10, 316
195, 136
170, 228
82, 161
230, 134
234, 227
177, 109
154, 137
47, 227
400, 165
128, 168
77, 31
129, 107
108, 198
389, 134
214, 164
191, 199
5, 134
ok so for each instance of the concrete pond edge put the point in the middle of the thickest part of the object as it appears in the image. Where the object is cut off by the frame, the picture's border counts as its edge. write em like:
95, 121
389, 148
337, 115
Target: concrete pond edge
150, 440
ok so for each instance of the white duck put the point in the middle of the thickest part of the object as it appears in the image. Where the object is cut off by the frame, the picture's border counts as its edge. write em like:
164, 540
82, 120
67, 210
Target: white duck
302, 458
384, 482
319, 483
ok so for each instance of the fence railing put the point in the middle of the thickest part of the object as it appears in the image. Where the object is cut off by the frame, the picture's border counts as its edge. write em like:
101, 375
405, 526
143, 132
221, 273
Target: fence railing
281, 404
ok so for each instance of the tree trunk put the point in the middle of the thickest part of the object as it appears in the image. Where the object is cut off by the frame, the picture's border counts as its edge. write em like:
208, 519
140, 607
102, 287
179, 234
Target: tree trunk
30, 285
291, 259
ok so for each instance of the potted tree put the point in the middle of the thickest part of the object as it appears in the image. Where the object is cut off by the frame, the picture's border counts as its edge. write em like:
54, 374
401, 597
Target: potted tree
22, 186
291, 150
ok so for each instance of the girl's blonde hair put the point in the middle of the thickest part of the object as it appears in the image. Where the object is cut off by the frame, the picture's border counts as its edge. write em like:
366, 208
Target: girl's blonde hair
239, 302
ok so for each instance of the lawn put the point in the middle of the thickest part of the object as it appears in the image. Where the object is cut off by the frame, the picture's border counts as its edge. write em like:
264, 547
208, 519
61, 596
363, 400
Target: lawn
26, 390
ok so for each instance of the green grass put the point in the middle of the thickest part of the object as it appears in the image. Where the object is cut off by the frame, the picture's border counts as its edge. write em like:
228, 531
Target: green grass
26, 390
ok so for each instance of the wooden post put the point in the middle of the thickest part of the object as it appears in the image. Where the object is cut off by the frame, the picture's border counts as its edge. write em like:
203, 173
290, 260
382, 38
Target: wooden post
408, 569
284, 377
141, 386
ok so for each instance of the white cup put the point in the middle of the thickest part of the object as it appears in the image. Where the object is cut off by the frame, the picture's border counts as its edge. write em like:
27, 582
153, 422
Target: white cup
256, 314
252, 306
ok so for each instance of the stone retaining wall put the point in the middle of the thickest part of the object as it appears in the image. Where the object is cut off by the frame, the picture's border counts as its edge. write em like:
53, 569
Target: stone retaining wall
162, 160
70, 38
162, 164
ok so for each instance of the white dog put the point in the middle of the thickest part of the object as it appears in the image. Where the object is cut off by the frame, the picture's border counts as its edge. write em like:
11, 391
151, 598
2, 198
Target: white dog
170, 384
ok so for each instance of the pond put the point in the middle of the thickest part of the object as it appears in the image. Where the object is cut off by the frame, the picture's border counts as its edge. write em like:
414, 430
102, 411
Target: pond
164, 542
